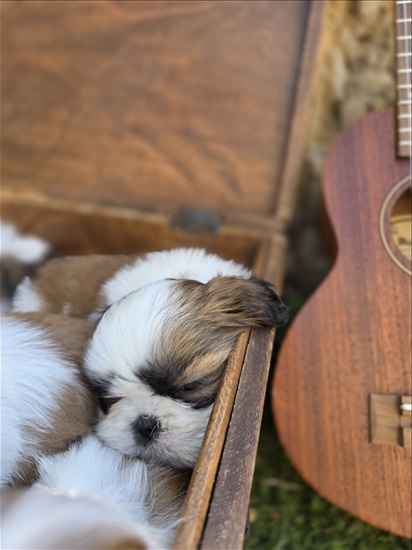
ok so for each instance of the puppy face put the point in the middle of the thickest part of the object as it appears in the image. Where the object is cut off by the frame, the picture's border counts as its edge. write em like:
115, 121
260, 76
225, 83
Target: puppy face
157, 357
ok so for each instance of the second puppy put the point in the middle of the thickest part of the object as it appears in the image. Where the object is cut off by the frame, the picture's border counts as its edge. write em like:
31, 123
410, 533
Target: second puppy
45, 403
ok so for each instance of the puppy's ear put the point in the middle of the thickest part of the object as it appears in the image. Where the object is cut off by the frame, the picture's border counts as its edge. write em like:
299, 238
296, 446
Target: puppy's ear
241, 303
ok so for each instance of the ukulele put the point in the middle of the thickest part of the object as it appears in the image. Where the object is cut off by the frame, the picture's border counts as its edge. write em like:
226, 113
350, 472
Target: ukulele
342, 387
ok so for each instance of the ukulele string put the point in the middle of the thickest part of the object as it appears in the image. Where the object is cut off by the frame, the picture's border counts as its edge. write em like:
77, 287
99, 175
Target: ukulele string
408, 70
408, 82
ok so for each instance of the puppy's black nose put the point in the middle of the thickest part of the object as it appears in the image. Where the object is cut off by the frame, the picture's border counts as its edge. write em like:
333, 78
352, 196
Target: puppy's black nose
145, 428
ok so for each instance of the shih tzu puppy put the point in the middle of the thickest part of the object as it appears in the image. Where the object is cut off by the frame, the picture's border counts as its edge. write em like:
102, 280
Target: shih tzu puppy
45, 403
157, 357
167, 323
20, 256
85, 286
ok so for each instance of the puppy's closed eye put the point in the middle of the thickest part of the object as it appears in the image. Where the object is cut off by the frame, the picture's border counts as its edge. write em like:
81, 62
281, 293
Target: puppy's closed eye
199, 393
106, 402
183, 393
187, 388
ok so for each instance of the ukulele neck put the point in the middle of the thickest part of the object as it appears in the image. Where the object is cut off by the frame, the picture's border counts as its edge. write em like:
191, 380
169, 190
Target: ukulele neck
404, 76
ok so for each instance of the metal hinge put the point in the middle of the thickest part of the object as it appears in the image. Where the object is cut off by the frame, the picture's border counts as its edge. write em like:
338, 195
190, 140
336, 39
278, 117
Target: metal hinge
197, 220
391, 419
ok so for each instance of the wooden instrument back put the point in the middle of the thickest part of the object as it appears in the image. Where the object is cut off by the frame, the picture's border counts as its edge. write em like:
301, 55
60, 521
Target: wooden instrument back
353, 339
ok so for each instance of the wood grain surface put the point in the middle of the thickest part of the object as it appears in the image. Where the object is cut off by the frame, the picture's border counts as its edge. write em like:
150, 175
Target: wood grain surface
114, 114
352, 339
84, 228
227, 521
136, 103
203, 479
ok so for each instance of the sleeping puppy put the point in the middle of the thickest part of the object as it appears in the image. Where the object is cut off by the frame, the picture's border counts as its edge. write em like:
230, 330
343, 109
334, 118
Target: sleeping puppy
45, 403
159, 351
157, 357
85, 286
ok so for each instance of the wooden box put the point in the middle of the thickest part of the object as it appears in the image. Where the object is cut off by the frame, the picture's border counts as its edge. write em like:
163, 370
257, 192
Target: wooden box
137, 126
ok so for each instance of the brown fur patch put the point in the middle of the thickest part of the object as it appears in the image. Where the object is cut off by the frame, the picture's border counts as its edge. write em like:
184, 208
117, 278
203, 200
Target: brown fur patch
167, 490
76, 410
73, 283
197, 341
27, 472
70, 336
233, 302
108, 539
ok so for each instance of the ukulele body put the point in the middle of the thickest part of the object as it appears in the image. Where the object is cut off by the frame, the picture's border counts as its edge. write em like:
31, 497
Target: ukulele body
352, 339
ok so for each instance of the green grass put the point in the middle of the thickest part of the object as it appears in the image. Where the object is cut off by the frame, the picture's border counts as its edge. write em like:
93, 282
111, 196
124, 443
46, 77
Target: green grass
286, 514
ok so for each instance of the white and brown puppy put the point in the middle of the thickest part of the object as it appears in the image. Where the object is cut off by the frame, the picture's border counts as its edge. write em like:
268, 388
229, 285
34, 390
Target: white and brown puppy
157, 358
84, 286
45, 403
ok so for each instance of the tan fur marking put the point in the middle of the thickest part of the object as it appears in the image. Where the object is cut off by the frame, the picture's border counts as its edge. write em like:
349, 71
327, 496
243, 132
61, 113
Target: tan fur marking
76, 281
168, 489
205, 364
74, 417
232, 302
70, 336
197, 341
27, 473
111, 539
76, 410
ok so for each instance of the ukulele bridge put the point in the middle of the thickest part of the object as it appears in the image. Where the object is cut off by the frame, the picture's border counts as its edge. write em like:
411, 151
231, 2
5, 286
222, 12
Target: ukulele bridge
391, 420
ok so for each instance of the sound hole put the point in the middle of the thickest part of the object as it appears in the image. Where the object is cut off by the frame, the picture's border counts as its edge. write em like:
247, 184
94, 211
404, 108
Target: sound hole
395, 224
401, 224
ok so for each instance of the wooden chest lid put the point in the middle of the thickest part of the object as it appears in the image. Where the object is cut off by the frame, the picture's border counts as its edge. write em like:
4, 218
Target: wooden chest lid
146, 103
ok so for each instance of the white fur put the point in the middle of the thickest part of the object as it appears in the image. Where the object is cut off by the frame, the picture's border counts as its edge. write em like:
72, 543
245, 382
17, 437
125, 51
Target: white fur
26, 299
125, 340
32, 377
27, 249
128, 332
182, 433
41, 519
93, 470
90, 468
180, 263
